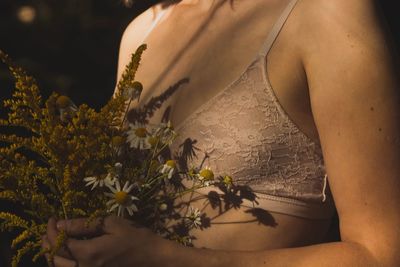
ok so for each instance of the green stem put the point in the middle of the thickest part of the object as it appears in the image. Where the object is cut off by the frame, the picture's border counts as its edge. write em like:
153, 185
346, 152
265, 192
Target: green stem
126, 112
64, 210
190, 190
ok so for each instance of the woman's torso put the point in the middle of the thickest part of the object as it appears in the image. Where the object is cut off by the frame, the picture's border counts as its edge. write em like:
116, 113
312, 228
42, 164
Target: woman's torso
212, 49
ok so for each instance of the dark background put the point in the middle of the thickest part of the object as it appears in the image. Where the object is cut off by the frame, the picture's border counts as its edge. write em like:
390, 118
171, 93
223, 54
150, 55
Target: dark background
72, 47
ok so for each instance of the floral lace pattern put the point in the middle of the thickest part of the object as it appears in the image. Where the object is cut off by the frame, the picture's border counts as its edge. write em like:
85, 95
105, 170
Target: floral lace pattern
244, 132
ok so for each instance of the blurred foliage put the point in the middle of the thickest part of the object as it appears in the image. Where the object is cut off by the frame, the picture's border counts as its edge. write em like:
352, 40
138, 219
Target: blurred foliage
70, 47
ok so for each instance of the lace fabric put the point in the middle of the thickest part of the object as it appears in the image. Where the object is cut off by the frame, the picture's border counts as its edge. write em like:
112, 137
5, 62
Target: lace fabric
244, 132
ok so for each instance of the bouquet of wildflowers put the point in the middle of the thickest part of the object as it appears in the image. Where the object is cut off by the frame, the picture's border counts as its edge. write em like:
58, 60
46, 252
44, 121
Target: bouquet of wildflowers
73, 161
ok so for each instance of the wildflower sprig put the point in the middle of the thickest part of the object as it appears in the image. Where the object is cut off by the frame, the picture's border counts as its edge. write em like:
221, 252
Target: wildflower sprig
73, 161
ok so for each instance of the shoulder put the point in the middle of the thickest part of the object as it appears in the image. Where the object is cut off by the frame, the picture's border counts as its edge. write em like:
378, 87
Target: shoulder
347, 13
133, 35
137, 27
326, 24
347, 34
131, 39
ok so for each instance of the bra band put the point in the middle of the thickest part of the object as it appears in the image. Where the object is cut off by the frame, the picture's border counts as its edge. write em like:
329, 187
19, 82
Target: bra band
323, 210
277, 28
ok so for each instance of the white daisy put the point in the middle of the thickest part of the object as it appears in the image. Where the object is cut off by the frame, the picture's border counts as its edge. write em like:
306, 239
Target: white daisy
121, 199
138, 136
206, 176
100, 181
165, 131
194, 216
169, 167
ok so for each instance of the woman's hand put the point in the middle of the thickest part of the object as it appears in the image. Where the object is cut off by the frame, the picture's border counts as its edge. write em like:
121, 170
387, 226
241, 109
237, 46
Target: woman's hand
114, 242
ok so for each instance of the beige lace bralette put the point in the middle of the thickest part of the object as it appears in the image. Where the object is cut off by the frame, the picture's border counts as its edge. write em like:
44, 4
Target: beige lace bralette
244, 132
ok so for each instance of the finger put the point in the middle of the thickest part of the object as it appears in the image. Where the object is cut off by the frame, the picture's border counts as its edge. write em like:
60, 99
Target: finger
81, 227
52, 232
45, 243
51, 239
63, 262
46, 247
49, 262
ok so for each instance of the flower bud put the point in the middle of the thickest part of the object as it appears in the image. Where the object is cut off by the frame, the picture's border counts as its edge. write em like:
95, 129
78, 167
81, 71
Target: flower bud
117, 141
163, 207
63, 102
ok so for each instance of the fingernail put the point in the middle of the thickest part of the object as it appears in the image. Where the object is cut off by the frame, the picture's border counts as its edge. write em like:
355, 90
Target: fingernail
60, 225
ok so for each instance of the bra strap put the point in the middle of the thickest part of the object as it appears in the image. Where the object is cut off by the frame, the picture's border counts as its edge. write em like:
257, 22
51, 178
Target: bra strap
157, 19
277, 28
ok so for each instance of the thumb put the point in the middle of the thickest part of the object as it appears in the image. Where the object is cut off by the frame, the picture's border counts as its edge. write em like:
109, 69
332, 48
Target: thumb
81, 227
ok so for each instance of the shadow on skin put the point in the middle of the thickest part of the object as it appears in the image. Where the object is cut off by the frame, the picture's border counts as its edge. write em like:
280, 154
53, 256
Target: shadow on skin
231, 197
143, 114
196, 35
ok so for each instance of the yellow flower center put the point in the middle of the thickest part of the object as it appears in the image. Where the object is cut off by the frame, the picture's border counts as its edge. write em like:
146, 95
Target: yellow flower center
117, 141
63, 101
121, 197
207, 174
228, 180
141, 132
163, 207
171, 163
153, 140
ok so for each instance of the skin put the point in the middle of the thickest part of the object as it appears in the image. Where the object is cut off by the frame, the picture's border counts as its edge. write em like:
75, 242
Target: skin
342, 90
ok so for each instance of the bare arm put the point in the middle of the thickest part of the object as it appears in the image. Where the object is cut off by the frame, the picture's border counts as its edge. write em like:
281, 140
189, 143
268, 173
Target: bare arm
354, 94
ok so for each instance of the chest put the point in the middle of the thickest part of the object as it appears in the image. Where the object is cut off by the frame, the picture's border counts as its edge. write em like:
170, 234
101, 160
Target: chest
211, 50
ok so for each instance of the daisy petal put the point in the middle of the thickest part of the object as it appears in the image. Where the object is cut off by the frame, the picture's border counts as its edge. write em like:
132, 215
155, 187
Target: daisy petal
87, 179
113, 207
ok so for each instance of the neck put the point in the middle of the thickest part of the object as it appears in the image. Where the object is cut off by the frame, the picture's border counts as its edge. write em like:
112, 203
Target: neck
200, 3
204, 5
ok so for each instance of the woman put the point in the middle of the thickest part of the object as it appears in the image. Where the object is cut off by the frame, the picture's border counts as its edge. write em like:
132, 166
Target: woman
332, 91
